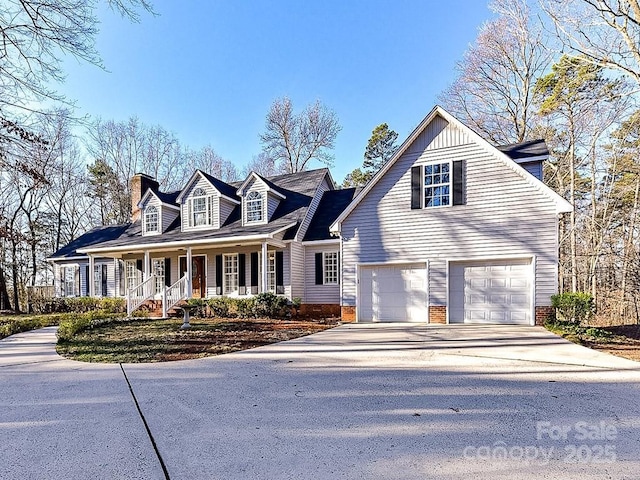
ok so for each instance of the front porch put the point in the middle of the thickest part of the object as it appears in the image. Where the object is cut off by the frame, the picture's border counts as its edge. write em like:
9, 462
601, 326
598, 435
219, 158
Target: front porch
168, 275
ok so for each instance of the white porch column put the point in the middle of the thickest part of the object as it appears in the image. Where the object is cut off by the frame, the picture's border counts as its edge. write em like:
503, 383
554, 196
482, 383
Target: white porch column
116, 278
146, 267
189, 273
91, 277
264, 268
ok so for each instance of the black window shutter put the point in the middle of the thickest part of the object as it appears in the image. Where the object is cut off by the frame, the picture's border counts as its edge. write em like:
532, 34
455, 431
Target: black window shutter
218, 274
139, 265
458, 183
86, 282
182, 266
121, 274
319, 269
254, 272
242, 274
104, 280
167, 272
416, 187
280, 272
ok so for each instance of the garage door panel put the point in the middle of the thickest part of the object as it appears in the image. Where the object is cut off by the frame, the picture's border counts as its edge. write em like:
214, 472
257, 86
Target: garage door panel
493, 291
397, 293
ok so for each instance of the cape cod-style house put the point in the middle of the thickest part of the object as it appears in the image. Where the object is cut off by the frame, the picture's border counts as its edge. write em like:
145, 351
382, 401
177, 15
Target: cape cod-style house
452, 229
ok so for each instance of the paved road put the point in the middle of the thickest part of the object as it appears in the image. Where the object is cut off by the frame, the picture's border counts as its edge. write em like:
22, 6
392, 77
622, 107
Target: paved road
358, 401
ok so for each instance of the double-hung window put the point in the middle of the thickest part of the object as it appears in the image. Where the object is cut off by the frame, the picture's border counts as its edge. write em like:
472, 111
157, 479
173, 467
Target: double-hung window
131, 274
330, 261
230, 278
271, 272
437, 184
69, 278
158, 270
254, 207
151, 219
199, 213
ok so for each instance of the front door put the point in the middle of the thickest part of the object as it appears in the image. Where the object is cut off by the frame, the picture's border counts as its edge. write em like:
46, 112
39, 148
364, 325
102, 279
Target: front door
198, 280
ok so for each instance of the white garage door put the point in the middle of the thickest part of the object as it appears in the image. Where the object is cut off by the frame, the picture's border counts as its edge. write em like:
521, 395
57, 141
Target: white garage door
497, 291
393, 293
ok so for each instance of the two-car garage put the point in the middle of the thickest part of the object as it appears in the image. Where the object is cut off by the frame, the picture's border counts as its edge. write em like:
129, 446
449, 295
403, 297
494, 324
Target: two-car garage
487, 291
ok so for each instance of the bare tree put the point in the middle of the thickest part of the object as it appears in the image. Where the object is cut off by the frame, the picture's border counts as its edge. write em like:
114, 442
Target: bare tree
264, 165
207, 160
493, 92
296, 139
35, 35
605, 32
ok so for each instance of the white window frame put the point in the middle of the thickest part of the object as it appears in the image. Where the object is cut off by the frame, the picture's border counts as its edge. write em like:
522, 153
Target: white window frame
330, 273
97, 279
229, 273
205, 211
271, 271
254, 203
149, 212
157, 268
69, 288
131, 275
437, 184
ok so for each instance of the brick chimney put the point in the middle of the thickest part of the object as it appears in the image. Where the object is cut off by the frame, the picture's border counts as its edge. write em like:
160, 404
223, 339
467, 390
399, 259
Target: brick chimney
140, 183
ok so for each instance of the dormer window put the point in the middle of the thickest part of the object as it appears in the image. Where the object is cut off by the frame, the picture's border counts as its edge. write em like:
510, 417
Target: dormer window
151, 219
200, 209
254, 207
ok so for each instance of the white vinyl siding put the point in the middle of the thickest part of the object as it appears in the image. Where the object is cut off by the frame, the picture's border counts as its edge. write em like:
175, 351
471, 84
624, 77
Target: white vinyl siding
226, 207
165, 215
326, 293
504, 216
295, 258
168, 215
272, 204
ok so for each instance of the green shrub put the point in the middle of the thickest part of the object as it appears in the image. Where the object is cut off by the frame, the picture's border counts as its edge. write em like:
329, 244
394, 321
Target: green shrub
270, 305
245, 307
220, 306
198, 307
575, 308
79, 305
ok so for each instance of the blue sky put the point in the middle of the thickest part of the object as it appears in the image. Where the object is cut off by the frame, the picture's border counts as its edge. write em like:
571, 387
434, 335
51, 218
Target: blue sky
209, 70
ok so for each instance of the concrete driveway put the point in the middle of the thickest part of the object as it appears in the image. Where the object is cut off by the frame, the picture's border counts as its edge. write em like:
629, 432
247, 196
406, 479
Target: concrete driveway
358, 401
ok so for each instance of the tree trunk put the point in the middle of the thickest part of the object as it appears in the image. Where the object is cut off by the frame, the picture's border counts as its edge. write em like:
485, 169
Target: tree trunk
5, 302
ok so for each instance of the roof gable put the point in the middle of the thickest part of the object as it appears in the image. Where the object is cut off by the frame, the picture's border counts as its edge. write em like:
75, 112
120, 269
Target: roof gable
562, 206
255, 177
224, 189
165, 199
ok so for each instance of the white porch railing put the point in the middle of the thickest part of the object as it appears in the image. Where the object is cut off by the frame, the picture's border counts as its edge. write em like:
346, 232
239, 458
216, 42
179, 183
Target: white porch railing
173, 294
140, 294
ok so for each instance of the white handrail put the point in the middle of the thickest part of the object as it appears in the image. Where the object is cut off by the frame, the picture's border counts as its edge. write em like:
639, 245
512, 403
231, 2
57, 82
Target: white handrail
173, 294
140, 294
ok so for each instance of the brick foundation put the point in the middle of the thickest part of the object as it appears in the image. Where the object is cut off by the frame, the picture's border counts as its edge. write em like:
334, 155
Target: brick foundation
543, 314
319, 310
437, 314
348, 314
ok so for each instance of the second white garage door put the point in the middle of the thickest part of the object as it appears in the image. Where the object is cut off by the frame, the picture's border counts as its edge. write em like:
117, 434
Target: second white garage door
393, 293
495, 291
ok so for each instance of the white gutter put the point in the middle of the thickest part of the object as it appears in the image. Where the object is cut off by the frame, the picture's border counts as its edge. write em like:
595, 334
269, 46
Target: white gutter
182, 243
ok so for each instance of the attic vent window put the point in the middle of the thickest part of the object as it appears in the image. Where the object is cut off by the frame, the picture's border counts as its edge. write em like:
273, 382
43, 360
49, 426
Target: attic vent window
151, 219
254, 207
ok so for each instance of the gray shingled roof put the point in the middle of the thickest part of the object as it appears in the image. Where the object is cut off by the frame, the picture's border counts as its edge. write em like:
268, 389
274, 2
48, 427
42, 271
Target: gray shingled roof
298, 188
92, 237
331, 205
523, 151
